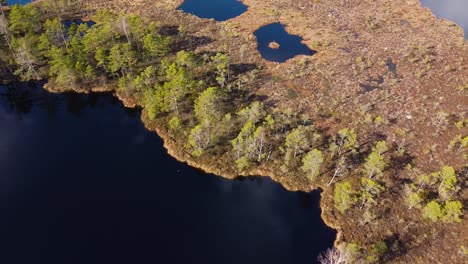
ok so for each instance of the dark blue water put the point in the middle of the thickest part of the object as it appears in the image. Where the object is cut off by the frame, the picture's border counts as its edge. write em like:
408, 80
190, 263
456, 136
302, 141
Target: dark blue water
88, 23
454, 10
18, 2
290, 45
219, 10
82, 181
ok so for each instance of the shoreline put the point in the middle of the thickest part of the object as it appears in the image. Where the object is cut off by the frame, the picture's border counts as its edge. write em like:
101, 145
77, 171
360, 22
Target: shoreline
352, 52
174, 151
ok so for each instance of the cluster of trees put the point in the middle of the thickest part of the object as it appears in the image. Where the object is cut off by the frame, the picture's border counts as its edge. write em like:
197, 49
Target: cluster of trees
192, 90
208, 110
345, 196
254, 142
348, 253
20, 35
43, 45
441, 186
124, 50
433, 193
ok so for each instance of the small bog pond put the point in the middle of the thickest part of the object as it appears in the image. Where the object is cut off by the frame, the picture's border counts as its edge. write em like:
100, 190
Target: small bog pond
18, 2
82, 181
275, 44
219, 10
454, 10
77, 22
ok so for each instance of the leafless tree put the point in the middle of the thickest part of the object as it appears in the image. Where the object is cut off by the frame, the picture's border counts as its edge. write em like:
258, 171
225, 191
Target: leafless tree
333, 256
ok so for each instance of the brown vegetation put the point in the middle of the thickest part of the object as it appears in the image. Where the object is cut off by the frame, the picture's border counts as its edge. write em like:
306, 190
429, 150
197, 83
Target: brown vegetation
274, 45
388, 69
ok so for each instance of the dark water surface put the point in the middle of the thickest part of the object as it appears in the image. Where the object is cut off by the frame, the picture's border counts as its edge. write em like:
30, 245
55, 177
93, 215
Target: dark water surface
219, 10
18, 2
454, 10
78, 22
82, 181
290, 45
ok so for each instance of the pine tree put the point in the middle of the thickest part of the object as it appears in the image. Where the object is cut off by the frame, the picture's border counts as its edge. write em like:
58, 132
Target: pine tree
448, 179
296, 142
377, 251
25, 20
174, 124
55, 32
155, 46
413, 196
311, 163
346, 140
221, 62
344, 196
370, 190
154, 102
452, 211
380, 147
146, 79
433, 211
122, 59
375, 164
208, 107
253, 113
178, 85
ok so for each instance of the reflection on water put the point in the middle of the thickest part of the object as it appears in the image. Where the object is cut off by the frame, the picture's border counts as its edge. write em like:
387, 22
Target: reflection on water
454, 10
82, 181
20, 99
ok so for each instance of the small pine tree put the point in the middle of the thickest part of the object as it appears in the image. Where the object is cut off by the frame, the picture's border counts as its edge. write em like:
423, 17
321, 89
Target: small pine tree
346, 140
452, 211
370, 189
375, 164
377, 251
413, 197
296, 142
433, 211
174, 124
344, 196
448, 179
380, 147
311, 163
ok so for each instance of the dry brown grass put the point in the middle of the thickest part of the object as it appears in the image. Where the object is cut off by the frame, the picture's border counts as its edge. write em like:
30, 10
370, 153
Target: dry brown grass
355, 39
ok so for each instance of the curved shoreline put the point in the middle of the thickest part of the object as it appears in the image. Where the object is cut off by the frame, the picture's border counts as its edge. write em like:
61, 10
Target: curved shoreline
343, 53
177, 153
